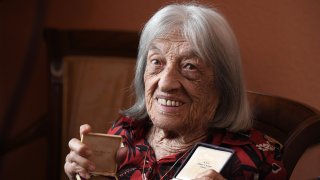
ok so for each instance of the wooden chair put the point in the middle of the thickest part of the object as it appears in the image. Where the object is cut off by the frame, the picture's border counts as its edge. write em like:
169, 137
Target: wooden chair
295, 125
291, 123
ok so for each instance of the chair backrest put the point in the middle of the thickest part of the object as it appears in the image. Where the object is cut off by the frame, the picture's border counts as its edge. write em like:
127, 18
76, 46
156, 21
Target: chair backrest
293, 124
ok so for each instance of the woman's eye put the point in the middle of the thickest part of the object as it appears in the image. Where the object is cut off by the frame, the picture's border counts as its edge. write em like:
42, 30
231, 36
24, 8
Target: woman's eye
155, 62
189, 66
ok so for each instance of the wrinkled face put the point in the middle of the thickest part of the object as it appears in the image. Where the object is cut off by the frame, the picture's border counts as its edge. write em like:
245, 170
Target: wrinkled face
179, 86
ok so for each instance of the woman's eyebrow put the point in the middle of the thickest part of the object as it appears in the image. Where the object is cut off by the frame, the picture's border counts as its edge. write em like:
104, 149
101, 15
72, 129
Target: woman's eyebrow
190, 53
154, 47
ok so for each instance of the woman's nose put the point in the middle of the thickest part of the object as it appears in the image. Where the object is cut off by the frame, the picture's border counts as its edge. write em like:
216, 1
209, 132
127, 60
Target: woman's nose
169, 80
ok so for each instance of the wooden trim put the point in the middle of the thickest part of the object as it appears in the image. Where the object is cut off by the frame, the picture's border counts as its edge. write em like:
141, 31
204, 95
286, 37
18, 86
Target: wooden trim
90, 42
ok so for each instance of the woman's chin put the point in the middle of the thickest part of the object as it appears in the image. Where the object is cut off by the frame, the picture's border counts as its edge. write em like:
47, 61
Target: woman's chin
167, 124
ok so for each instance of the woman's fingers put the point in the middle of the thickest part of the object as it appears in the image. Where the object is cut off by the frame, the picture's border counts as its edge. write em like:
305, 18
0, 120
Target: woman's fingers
77, 146
69, 169
72, 168
73, 157
76, 160
210, 174
76, 164
85, 128
83, 172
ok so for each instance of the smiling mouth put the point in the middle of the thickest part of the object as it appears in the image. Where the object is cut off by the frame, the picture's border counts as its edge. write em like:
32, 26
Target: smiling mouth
170, 103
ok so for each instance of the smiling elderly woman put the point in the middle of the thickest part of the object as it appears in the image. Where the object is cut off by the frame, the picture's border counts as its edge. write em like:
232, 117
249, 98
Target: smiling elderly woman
189, 89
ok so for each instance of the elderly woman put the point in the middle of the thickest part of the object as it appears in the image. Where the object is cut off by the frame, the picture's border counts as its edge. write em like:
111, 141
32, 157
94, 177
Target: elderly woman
189, 89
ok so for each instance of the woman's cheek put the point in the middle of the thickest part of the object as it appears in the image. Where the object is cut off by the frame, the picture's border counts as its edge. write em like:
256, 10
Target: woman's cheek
204, 100
148, 97
150, 84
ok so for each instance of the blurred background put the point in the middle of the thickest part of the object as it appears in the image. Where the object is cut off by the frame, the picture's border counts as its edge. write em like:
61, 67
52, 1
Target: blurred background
279, 43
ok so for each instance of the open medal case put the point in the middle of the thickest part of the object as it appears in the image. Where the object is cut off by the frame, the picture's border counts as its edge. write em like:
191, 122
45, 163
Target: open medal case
201, 158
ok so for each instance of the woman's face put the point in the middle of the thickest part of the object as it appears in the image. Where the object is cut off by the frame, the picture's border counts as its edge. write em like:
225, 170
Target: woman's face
180, 93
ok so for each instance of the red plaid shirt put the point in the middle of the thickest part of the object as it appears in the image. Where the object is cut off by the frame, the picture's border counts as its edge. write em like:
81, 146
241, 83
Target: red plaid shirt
256, 157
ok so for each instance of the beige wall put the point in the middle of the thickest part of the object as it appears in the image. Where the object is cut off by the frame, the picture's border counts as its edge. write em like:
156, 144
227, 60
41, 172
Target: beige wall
280, 46
279, 39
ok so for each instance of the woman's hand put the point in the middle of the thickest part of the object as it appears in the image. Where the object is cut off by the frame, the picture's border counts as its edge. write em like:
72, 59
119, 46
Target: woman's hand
210, 175
77, 160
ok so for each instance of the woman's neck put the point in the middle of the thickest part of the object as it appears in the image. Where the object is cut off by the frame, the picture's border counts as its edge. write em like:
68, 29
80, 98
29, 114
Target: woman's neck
165, 143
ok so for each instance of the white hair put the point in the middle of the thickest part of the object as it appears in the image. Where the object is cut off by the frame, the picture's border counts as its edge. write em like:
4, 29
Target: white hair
213, 41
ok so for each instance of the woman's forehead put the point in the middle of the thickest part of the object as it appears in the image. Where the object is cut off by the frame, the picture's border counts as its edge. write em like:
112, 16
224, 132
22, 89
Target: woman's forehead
173, 45
169, 38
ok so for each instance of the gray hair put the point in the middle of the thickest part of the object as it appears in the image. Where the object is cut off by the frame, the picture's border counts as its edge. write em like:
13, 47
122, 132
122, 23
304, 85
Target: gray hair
213, 40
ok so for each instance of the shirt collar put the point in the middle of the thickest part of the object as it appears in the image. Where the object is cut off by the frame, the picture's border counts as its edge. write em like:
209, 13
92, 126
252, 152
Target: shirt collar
220, 136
